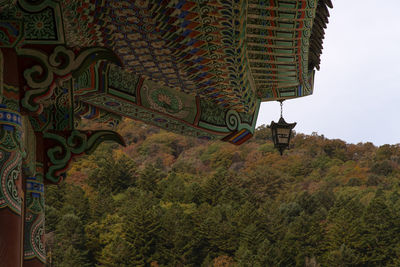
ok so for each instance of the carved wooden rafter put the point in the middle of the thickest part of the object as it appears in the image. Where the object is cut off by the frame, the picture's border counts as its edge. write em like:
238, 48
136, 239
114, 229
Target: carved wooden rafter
56, 149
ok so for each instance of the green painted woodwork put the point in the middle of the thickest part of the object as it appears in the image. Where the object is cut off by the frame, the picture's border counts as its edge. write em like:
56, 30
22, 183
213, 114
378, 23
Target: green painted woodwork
11, 150
61, 64
10, 167
59, 148
158, 105
41, 21
34, 230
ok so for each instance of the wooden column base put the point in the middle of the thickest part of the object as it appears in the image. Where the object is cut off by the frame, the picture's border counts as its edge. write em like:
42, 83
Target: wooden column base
10, 238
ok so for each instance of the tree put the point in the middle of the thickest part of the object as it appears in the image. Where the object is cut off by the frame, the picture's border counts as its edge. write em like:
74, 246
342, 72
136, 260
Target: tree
344, 232
113, 174
381, 232
70, 247
142, 222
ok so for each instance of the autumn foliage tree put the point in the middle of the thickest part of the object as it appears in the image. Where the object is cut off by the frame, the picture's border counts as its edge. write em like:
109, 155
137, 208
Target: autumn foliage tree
169, 200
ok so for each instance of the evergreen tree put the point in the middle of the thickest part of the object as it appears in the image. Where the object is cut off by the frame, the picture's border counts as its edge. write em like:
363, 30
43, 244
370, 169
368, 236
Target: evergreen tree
142, 225
70, 239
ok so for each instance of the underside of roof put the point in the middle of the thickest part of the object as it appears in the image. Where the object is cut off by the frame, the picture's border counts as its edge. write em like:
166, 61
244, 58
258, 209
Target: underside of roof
229, 52
199, 67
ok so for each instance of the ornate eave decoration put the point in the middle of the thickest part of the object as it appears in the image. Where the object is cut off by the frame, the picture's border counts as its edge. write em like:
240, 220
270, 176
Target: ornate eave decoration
196, 68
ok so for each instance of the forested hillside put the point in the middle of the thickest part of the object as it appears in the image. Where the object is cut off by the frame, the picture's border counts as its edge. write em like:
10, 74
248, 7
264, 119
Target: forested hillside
168, 200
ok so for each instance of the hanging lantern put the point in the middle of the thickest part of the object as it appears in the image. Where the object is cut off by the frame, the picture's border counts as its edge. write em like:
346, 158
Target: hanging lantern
281, 132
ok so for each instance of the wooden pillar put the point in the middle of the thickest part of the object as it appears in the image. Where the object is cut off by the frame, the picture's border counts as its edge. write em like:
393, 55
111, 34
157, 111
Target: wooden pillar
11, 154
34, 213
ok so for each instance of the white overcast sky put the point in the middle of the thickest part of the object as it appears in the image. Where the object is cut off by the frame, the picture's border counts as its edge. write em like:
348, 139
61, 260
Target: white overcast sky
357, 91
